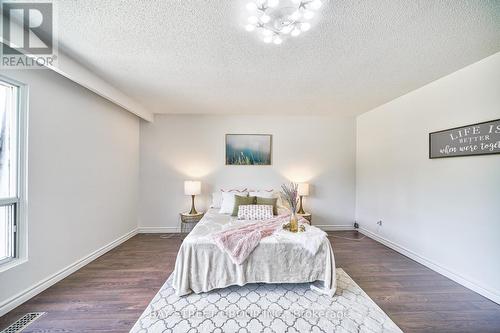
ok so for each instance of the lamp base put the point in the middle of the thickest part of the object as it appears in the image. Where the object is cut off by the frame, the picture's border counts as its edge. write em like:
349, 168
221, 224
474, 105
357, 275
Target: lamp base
301, 209
193, 209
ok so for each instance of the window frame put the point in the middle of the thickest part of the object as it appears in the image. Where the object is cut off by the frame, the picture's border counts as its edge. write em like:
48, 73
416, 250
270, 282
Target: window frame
21, 201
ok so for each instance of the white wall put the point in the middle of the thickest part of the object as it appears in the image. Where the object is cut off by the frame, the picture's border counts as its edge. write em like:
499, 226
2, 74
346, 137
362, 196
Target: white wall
83, 177
444, 212
316, 149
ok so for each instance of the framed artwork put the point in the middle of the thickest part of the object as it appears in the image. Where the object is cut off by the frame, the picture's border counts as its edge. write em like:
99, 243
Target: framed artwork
476, 139
248, 149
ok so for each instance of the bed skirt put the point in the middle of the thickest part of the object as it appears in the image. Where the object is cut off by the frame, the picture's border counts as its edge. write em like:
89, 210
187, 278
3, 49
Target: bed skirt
202, 266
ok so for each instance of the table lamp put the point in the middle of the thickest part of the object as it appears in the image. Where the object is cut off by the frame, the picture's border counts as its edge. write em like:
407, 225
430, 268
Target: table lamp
192, 188
303, 190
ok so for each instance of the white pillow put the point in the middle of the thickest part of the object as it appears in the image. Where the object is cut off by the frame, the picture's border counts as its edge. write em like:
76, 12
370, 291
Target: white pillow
227, 204
216, 200
255, 212
217, 196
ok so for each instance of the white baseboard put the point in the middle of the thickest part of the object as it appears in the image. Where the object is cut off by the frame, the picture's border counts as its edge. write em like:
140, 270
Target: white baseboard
330, 227
167, 230
158, 230
474, 286
37, 288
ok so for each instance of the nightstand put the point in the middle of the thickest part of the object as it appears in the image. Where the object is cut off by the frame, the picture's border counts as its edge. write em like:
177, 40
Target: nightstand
307, 216
188, 221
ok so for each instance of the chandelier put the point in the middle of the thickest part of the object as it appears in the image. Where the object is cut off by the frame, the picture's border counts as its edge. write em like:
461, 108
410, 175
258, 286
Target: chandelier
275, 20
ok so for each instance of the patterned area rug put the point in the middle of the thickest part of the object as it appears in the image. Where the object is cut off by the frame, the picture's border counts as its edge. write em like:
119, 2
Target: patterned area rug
266, 308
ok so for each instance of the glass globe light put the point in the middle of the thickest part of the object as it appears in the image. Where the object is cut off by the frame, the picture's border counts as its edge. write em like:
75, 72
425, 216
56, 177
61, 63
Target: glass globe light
308, 15
315, 4
265, 18
273, 3
295, 16
267, 32
251, 6
305, 26
253, 19
287, 29
275, 20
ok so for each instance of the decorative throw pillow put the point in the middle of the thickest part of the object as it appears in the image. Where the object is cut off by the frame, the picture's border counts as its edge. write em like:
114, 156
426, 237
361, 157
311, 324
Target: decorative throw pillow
228, 199
240, 200
255, 212
268, 201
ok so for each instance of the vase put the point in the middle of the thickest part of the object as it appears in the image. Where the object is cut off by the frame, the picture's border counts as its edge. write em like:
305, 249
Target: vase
294, 222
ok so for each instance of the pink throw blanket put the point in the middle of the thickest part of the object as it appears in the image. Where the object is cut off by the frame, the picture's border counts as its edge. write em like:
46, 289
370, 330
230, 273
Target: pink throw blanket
239, 243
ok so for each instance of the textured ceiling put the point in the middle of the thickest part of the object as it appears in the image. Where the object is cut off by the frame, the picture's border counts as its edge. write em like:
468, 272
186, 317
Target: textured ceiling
195, 57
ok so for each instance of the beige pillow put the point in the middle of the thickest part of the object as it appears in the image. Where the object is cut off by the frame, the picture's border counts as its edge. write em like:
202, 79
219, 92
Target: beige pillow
268, 201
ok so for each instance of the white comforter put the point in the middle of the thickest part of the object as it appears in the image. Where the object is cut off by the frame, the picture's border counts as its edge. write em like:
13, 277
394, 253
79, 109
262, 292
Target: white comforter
281, 258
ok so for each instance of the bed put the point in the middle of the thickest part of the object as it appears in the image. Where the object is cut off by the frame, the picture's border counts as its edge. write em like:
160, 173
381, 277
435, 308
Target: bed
201, 266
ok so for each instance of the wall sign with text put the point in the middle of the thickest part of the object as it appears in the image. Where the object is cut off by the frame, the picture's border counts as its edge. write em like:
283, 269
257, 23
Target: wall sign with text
476, 139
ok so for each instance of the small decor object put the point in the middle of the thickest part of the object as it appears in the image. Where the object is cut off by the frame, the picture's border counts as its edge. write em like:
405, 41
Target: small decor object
289, 195
303, 190
192, 188
477, 139
248, 149
276, 20
286, 226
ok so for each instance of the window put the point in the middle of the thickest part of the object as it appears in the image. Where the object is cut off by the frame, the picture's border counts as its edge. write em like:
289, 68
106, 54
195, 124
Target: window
11, 171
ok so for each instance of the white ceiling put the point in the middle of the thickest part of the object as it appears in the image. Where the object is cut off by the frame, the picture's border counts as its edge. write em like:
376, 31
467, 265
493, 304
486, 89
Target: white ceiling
195, 57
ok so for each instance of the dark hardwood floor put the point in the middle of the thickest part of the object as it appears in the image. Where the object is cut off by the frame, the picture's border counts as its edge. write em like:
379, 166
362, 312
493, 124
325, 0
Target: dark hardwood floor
109, 294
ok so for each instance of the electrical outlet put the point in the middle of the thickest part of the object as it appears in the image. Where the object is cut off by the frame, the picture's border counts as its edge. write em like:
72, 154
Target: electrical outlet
379, 222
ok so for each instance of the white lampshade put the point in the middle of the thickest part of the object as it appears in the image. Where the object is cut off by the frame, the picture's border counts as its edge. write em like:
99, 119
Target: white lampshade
192, 187
303, 189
